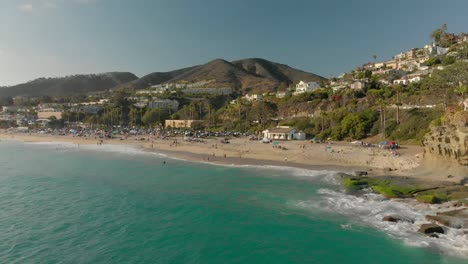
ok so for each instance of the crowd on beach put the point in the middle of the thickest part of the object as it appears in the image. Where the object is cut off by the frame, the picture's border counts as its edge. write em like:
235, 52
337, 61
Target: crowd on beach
223, 146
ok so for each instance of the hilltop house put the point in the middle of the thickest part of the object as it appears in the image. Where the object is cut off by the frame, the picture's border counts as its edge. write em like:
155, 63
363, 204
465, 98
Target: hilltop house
283, 133
411, 78
303, 87
253, 97
358, 85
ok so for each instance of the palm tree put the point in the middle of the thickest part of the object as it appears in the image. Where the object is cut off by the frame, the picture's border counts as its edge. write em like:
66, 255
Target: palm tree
382, 116
398, 104
439, 34
461, 90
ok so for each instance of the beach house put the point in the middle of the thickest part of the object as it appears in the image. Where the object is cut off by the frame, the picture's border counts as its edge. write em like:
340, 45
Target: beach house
180, 123
284, 133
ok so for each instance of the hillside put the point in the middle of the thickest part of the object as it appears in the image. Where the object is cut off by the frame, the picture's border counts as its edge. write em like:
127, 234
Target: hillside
248, 75
68, 85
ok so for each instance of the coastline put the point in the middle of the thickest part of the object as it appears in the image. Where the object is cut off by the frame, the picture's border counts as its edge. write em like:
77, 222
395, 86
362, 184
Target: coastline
356, 205
240, 151
409, 161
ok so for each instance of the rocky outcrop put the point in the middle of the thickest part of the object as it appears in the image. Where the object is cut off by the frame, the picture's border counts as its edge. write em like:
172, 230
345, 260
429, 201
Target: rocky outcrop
430, 229
449, 140
454, 219
396, 219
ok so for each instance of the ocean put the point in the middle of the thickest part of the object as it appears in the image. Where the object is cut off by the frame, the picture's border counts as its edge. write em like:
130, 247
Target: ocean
63, 203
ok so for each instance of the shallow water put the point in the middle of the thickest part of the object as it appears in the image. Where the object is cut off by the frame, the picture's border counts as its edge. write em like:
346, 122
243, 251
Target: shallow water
60, 203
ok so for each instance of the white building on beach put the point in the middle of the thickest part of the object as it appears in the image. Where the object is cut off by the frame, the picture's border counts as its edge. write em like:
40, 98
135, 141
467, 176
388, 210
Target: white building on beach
283, 133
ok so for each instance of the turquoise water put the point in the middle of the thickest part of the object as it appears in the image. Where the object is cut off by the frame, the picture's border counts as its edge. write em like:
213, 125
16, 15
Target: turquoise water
68, 205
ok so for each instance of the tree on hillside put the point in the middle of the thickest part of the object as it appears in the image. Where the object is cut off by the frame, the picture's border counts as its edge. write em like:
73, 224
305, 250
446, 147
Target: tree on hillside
439, 34
398, 103
461, 90
155, 116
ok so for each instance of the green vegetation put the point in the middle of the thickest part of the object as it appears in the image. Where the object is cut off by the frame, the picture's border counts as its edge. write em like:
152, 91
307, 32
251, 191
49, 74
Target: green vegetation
380, 109
431, 198
398, 187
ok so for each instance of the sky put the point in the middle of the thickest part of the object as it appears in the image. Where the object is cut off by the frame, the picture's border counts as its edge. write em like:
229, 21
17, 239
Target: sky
51, 38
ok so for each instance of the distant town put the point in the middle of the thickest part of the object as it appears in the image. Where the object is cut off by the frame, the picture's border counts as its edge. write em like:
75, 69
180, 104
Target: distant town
376, 98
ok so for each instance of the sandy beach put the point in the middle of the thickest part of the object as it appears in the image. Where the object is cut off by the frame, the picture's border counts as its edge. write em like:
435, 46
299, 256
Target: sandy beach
342, 156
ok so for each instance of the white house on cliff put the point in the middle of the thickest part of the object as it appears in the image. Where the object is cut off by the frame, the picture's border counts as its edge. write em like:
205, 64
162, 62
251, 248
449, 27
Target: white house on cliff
305, 87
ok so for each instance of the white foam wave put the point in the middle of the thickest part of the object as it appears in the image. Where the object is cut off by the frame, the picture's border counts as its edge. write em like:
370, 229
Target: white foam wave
371, 208
110, 148
326, 176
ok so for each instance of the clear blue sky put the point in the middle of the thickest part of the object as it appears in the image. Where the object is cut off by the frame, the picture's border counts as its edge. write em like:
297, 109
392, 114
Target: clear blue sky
43, 38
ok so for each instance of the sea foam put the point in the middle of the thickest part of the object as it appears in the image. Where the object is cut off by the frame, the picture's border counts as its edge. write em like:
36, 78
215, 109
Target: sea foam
370, 208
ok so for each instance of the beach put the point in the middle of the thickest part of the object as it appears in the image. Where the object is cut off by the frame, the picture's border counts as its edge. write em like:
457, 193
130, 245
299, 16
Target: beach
342, 156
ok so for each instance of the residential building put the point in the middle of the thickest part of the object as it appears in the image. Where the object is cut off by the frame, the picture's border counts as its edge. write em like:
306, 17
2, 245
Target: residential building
179, 123
358, 85
164, 103
284, 133
305, 87
411, 53
392, 64
220, 91
253, 97
379, 65
405, 80
400, 56
9, 109
280, 94
90, 109
48, 113
337, 88
415, 78
401, 81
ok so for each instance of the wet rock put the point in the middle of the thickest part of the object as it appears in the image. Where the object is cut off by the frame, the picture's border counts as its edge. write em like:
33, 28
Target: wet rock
456, 213
434, 235
448, 221
397, 218
430, 229
343, 175
360, 173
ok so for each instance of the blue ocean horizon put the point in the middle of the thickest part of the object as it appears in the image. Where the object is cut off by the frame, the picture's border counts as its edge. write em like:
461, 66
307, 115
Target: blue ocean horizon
63, 203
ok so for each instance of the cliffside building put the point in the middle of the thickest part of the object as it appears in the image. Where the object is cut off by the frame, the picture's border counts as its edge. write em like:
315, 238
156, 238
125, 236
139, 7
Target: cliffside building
305, 87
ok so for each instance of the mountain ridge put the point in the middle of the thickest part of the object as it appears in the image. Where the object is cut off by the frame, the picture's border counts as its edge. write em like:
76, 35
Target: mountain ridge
245, 76
68, 85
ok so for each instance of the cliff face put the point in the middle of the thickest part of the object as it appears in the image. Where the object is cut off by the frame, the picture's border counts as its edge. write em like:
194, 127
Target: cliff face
449, 141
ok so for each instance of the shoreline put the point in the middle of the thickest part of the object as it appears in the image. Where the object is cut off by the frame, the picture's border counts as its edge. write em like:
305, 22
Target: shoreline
340, 156
361, 201
241, 151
